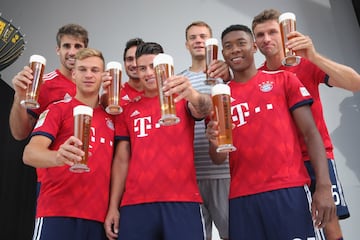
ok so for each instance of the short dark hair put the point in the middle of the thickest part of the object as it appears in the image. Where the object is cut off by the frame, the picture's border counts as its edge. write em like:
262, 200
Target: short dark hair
237, 27
264, 16
131, 43
74, 30
148, 48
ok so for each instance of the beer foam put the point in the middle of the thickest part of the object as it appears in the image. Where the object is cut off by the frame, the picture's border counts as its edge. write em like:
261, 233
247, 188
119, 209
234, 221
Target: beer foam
38, 58
163, 58
113, 64
82, 109
220, 88
287, 15
211, 41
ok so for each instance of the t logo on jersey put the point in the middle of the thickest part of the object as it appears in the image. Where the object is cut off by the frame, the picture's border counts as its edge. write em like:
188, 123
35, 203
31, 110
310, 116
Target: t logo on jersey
240, 112
142, 125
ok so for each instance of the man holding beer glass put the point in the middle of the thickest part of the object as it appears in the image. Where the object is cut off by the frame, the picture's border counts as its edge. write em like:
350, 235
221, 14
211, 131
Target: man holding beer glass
57, 85
155, 163
269, 197
213, 180
132, 88
312, 70
65, 206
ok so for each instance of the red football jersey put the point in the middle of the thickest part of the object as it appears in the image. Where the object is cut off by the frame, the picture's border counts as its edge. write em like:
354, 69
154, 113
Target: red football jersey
129, 93
311, 76
80, 195
161, 168
268, 155
55, 87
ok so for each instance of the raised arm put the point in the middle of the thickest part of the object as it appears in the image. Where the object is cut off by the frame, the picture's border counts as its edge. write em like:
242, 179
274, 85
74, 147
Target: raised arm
21, 123
340, 75
200, 104
37, 153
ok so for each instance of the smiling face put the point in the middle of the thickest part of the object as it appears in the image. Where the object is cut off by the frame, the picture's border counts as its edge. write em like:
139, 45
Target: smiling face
130, 63
268, 38
146, 74
69, 46
195, 41
238, 50
87, 75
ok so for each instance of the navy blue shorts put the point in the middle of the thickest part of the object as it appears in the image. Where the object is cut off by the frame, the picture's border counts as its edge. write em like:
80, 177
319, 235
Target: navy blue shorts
273, 215
342, 210
164, 220
60, 228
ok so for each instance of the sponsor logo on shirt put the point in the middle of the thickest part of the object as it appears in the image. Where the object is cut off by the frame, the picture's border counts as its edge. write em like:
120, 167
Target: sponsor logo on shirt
41, 119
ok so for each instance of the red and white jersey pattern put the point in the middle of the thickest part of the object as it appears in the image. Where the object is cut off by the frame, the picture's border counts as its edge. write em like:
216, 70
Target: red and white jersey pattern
312, 76
161, 168
268, 155
128, 93
55, 87
80, 195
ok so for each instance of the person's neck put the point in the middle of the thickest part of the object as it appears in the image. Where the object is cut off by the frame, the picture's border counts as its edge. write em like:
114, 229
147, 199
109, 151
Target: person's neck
245, 75
67, 73
274, 62
151, 94
198, 65
136, 84
90, 100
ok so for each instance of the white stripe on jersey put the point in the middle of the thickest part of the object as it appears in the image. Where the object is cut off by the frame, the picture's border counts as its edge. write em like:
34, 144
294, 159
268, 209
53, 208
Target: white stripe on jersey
38, 228
319, 233
50, 76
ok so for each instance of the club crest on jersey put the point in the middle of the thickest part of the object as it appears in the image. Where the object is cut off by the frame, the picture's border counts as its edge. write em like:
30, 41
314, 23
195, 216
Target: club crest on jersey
266, 86
110, 124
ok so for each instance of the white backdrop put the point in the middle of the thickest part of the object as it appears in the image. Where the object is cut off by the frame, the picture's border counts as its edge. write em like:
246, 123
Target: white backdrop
331, 24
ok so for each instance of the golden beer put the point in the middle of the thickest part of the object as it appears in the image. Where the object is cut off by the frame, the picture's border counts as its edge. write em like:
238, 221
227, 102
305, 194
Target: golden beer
164, 68
287, 23
220, 94
211, 54
37, 64
82, 130
113, 105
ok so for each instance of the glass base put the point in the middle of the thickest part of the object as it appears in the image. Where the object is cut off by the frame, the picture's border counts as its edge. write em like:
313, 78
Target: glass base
291, 61
169, 120
30, 104
79, 168
113, 109
225, 148
211, 81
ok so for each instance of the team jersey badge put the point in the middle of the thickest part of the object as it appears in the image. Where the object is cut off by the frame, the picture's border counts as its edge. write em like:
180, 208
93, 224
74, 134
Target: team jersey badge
266, 86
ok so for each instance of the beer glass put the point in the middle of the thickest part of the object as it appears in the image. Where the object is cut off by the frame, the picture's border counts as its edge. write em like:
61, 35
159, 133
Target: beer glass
164, 68
211, 54
113, 104
287, 23
82, 125
220, 94
37, 64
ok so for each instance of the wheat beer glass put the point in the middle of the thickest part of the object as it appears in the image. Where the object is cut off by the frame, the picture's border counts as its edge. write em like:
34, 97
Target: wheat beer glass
211, 54
82, 130
164, 68
113, 103
37, 64
220, 94
287, 23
